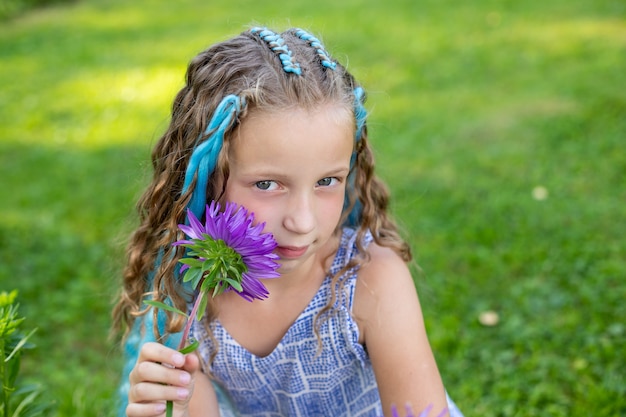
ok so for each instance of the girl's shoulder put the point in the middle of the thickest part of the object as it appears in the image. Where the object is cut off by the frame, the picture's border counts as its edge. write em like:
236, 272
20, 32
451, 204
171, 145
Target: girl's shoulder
381, 265
384, 285
383, 269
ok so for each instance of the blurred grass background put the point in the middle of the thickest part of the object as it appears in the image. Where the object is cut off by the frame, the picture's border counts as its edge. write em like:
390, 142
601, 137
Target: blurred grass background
498, 125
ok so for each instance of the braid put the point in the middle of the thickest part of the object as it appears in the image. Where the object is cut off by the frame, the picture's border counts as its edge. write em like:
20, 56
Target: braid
319, 48
353, 205
204, 157
360, 114
277, 44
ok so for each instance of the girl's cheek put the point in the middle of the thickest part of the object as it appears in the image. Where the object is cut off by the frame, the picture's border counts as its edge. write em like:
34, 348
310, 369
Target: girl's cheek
262, 211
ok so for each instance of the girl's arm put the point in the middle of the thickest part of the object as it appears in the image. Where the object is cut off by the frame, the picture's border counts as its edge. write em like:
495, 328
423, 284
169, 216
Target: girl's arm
162, 374
389, 315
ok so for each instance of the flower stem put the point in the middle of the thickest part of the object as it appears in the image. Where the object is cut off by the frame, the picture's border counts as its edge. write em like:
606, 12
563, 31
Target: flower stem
184, 339
190, 320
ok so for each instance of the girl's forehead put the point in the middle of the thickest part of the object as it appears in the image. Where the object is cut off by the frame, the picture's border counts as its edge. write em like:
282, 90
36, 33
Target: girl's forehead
297, 134
331, 114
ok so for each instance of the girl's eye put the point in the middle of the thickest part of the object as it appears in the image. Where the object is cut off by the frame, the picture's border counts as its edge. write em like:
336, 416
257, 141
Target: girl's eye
265, 185
325, 182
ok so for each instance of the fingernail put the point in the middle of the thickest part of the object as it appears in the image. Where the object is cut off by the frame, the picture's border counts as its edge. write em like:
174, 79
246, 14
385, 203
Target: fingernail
185, 378
159, 408
178, 359
183, 393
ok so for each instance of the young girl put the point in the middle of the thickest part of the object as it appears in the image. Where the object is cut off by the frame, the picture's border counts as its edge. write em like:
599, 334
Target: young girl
272, 123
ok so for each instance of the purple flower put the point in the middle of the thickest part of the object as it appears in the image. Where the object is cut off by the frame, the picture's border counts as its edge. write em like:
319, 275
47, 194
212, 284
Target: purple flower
228, 252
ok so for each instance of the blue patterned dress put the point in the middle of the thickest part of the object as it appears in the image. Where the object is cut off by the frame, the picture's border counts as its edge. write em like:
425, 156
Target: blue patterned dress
297, 378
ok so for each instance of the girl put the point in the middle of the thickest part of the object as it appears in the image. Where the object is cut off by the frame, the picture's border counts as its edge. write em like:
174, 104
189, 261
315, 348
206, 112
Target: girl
272, 123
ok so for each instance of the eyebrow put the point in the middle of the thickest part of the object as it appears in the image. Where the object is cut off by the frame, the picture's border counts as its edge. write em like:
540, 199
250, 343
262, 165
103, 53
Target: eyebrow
339, 170
270, 172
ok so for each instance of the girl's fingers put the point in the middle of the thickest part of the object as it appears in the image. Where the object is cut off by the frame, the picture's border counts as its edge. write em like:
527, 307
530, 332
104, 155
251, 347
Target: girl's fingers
147, 399
161, 374
158, 363
155, 372
156, 352
146, 392
192, 363
145, 410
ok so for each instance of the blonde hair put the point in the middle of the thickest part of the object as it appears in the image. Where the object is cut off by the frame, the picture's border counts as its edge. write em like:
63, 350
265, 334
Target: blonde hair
246, 66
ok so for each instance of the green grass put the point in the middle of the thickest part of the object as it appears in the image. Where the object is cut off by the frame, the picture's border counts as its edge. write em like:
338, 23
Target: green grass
473, 105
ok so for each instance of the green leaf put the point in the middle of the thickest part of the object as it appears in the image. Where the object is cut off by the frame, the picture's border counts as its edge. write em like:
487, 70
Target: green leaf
208, 264
12, 370
234, 283
193, 262
25, 403
21, 343
163, 306
235, 271
193, 275
210, 281
202, 306
190, 347
7, 299
217, 290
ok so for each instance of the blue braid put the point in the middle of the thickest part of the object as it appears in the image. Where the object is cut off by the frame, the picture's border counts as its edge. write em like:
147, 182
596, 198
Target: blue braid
360, 116
201, 164
204, 157
277, 44
319, 48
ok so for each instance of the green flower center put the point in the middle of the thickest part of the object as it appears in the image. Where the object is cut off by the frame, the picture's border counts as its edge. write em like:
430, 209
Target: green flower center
219, 265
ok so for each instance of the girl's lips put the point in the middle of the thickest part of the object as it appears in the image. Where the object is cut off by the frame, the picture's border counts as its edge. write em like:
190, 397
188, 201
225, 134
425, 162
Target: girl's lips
291, 252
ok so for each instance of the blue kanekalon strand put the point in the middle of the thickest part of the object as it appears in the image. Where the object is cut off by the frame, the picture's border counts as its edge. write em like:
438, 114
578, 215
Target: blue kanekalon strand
360, 114
319, 48
277, 44
360, 117
204, 157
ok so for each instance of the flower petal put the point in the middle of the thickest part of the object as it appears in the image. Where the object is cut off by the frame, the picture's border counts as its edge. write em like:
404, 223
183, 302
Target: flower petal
196, 226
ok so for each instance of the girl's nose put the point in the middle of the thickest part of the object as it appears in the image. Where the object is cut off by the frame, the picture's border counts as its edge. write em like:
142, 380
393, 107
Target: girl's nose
299, 215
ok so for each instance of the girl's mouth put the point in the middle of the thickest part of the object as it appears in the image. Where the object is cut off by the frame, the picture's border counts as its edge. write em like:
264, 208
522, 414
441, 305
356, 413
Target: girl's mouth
291, 252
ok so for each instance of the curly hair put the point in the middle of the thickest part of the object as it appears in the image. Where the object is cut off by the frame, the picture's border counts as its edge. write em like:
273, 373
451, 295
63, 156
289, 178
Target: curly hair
246, 67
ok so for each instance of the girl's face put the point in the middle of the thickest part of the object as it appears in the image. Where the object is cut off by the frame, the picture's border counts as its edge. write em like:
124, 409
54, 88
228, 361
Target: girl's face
290, 169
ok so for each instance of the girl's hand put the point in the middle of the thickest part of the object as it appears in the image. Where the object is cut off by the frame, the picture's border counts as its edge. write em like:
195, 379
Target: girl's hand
161, 374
